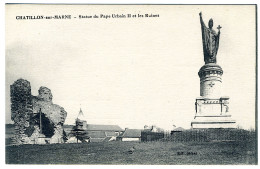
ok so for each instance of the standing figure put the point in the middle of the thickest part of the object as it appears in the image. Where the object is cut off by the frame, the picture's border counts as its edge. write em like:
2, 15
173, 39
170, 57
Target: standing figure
210, 41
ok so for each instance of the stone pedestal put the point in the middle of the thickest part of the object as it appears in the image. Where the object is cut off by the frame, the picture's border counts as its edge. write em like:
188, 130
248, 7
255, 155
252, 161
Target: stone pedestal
210, 80
212, 109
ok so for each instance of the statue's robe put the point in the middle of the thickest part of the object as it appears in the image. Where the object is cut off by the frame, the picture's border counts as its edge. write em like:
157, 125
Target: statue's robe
210, 41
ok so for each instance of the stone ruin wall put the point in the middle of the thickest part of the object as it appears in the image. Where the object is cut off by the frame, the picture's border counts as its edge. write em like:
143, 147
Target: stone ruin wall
25, 110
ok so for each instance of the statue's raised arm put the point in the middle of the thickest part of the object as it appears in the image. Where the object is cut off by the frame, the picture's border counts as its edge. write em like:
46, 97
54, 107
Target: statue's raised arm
201, 20
210, 40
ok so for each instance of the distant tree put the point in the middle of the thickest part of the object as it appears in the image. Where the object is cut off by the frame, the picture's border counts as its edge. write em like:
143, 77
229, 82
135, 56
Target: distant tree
79, 133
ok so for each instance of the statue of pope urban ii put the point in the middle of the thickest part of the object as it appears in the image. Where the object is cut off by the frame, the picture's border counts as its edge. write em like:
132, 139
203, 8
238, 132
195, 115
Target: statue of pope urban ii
210, 41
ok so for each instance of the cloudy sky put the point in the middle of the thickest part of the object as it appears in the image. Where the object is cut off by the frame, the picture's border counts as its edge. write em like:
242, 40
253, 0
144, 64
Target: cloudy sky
131, 71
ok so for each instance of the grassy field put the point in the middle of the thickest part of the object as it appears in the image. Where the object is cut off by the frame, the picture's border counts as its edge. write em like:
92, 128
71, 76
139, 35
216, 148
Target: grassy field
145, 153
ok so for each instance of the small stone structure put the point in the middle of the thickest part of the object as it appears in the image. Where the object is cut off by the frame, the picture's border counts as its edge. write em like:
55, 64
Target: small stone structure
37, 120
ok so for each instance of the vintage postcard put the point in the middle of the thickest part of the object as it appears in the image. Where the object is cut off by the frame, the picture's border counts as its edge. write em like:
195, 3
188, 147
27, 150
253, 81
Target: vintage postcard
131, 84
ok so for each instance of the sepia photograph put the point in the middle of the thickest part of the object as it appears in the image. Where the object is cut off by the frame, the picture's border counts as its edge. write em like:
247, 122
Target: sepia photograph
118, 84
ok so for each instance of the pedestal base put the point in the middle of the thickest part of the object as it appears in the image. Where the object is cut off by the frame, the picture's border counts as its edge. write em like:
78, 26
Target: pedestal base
213, 122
